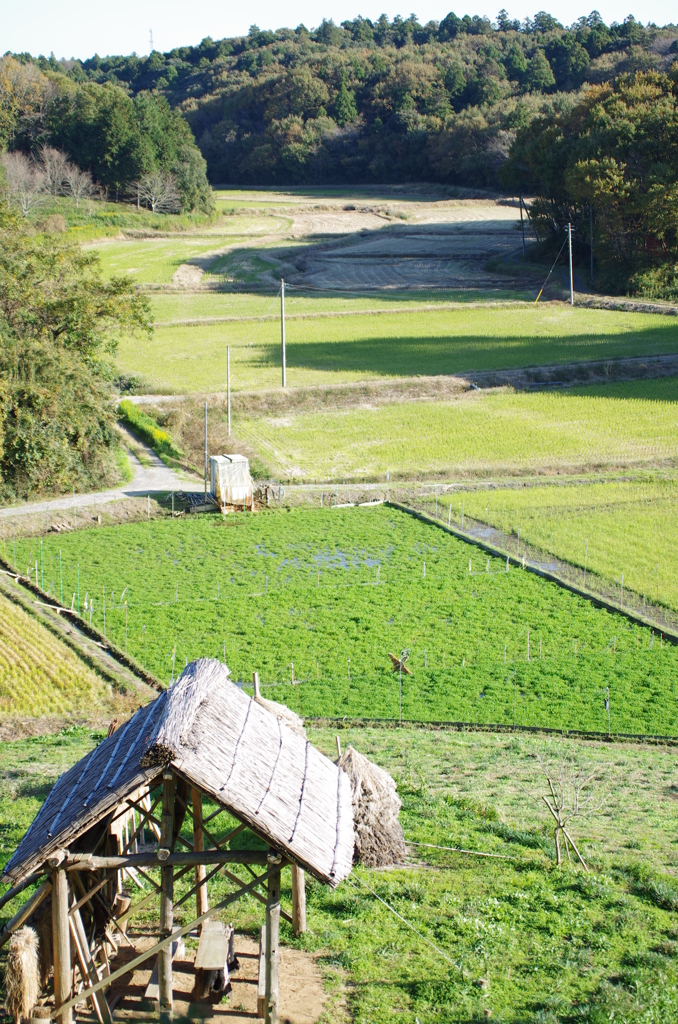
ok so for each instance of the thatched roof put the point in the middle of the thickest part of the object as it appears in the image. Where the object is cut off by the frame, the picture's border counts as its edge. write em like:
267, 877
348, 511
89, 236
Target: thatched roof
223, 742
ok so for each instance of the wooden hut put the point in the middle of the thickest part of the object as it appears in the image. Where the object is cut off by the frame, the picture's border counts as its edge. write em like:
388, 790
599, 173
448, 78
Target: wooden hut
204, 737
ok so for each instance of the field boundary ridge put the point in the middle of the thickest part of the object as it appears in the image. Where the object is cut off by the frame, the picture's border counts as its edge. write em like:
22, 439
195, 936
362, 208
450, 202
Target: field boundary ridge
493, 727
79, 624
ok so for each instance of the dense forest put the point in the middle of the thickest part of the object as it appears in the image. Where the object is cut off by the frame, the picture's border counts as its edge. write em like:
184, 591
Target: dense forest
384, 101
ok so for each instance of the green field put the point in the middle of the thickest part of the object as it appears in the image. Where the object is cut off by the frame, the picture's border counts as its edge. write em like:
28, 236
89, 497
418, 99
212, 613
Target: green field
435, 342
631, 527
481, 433
552, 946
322, 597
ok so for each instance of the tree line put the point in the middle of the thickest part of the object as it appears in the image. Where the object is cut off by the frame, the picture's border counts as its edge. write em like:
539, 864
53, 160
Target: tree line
116, 139
376, 101
609, 167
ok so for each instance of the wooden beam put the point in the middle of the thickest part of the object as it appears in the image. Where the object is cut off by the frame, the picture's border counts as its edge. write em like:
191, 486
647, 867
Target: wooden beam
16, 889
272, 936
61, 944
166, 898
88, 862
199, 847
22, 915
298, 899
178, 933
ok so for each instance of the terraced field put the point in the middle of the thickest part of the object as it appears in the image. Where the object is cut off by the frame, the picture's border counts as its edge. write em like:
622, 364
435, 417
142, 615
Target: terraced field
41, 676
321, 597
399, 343
479, 433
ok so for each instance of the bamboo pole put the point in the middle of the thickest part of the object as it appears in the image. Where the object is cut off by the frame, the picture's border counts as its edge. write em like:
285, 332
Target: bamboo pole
61, 943
88, 862
199, 846
298, 899
272, 933
166, 898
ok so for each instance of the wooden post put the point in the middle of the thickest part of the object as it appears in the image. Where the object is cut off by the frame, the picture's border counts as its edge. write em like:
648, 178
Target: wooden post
255, 681
166, 898
272, 929
201, 906
298, 899
61, 944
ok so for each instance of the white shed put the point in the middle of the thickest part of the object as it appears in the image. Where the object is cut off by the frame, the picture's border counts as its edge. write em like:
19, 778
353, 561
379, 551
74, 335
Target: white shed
230, 480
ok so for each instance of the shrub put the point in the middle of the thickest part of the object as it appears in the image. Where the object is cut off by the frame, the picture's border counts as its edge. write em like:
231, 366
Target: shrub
148, 429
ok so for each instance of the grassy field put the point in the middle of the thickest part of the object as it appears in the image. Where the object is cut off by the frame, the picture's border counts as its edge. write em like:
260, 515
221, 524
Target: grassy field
320, 597
481, 433
524, 940
186, 358
631, 527
40, 675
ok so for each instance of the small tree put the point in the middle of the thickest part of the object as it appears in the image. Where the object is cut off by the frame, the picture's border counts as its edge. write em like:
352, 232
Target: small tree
79, 184
157, 191
25, 182
574, 791
53, 162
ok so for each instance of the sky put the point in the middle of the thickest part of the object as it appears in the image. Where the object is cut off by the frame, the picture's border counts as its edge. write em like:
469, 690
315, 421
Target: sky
80, 28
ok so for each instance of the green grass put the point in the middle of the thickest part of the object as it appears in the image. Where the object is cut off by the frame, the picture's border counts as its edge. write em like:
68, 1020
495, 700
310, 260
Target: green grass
481, 433
631, 528
207, 305
96, 219
314, 589
185, 358
148, 429
554, 946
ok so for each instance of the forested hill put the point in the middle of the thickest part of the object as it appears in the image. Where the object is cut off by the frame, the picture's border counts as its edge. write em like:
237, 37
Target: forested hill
383, 101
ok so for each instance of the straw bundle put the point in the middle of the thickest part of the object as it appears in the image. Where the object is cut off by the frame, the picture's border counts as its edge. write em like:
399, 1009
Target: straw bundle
378, 834
21, 974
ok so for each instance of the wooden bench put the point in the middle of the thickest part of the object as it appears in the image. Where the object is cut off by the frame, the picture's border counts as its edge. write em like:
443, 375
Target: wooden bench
211, 962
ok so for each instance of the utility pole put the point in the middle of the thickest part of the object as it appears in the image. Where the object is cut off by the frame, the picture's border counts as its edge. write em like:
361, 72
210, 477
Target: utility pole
591, 235
282, 331
522, 224
228, 374
569, 235
205, 452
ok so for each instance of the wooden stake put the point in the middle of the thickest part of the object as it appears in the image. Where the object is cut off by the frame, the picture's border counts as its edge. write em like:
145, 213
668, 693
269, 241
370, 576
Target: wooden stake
272, 930
198, 846
298, 900
338, 747
166, 899
255, 680
61, 944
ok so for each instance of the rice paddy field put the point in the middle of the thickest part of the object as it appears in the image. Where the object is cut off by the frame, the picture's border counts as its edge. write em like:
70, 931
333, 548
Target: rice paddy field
315, 600
614, 527
512, 938
482, 433
334, 349
40, 675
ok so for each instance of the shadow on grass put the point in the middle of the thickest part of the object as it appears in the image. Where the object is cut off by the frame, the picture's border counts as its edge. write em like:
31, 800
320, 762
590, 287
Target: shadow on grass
407, 355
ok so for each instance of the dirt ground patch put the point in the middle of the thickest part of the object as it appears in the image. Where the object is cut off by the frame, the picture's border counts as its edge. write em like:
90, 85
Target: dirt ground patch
302, 992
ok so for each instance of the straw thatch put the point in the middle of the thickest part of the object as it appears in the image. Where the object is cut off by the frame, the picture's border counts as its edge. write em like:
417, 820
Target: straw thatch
227, 745
21, 974
379, 839
281, 711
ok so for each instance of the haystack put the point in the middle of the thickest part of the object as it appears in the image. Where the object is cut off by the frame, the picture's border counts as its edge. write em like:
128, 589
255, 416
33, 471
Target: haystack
281, 711
379, 836
21, 974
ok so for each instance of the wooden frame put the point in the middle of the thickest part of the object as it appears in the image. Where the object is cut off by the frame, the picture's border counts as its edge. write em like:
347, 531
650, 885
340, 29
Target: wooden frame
66, 882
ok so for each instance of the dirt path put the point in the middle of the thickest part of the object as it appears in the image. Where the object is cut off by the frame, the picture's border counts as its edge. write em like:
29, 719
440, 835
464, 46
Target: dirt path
153, 478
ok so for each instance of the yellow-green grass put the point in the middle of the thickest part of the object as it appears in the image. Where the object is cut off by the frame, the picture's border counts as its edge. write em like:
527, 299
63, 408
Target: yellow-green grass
336, 349
631, 527
155, 260
481, 433
39, 674
182, 306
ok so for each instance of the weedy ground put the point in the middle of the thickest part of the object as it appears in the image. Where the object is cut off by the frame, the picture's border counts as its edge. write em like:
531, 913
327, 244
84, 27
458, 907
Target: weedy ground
517, 939
319, 597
